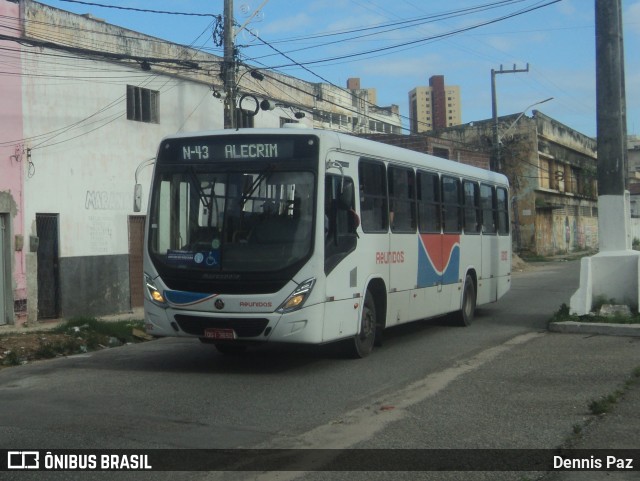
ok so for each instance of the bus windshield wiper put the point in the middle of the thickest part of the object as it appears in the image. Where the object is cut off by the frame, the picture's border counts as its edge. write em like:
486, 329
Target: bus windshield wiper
196, 183
261, 176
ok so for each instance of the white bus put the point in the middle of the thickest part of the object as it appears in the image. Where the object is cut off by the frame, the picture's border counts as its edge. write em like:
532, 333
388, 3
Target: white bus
309, 236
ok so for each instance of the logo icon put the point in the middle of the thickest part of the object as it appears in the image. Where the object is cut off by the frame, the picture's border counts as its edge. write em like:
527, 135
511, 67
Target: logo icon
219, 304
23, 460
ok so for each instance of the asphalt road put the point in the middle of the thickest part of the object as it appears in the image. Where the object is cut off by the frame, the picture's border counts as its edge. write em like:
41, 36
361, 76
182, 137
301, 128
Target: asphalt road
175, 393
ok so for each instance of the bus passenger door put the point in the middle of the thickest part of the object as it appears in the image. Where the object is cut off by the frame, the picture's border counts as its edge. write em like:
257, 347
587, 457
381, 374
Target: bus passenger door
428, 300
488, 290
403, 223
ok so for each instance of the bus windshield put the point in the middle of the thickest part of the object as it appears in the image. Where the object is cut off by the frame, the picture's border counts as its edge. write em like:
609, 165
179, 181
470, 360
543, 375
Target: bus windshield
211, 219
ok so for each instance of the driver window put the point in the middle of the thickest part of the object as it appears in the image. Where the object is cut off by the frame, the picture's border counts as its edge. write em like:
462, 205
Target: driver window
340, 219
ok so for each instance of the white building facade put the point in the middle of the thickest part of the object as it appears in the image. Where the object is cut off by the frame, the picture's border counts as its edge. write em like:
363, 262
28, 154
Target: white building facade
96, 100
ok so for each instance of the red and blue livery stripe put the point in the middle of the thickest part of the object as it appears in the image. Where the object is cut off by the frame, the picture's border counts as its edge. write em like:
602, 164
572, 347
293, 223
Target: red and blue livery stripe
438, 259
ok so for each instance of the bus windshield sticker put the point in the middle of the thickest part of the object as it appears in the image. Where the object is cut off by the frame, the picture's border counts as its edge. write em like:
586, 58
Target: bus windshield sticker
209, 259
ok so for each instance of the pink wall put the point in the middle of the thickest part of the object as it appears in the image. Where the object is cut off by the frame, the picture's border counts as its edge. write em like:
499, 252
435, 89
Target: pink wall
12, 159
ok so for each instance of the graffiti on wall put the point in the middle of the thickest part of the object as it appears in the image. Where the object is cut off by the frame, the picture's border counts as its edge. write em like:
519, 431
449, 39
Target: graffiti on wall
104, 200
101, 234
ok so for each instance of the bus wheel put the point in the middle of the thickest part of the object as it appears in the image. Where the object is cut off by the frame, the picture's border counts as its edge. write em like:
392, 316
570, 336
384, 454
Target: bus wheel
363, 342
464, 316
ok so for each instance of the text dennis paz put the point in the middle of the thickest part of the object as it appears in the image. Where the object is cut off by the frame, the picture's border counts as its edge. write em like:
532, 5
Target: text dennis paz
593, 462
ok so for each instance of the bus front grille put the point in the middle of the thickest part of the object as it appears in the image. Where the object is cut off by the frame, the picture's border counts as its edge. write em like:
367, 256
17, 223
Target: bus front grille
195, 325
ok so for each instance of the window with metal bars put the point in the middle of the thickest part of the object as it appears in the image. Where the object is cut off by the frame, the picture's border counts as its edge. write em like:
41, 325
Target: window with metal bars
143, 104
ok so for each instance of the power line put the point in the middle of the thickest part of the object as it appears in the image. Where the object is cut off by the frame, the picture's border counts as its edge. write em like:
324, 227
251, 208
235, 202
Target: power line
418, 41
400, 24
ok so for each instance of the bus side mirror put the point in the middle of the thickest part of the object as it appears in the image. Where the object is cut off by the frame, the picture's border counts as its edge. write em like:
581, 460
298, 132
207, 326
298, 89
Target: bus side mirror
137, 198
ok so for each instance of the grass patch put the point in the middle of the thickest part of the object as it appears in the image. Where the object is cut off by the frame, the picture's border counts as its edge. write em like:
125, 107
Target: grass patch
564, 315
599, 407
12, 359
100, 332
63, 347
605, 404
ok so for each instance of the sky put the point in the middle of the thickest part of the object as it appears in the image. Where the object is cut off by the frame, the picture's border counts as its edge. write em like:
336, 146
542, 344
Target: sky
395, 46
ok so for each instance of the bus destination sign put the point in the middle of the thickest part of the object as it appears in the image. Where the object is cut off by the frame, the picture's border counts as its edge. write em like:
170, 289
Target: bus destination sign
201, 150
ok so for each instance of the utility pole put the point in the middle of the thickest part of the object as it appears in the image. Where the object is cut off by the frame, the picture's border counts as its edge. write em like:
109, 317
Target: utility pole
229, 68
610, 101
613, 272
613, 218
495, 162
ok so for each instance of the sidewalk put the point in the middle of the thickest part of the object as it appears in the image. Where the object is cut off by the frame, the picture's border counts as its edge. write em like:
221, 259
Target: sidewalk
535, 395
604, 356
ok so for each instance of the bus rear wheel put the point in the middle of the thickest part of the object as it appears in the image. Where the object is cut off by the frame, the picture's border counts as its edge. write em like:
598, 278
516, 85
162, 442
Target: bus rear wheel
464, 317
362, 343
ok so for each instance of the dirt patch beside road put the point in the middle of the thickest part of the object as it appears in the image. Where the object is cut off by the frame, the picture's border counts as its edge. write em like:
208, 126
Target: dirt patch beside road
73, 337
20, 348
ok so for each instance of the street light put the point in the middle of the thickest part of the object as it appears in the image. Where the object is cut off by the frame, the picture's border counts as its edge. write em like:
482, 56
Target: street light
496, 161
519, 117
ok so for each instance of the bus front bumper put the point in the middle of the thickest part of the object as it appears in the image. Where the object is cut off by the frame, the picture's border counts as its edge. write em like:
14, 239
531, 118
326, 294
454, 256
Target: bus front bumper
303, 326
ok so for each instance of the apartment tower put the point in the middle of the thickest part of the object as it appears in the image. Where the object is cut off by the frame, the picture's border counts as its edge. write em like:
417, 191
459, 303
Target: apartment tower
434, 107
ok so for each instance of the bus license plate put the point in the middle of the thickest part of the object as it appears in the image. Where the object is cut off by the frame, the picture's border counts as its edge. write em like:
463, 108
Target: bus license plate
222, 334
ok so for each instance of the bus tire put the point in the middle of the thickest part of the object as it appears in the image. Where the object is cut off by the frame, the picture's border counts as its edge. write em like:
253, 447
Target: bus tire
464, 317
362, 343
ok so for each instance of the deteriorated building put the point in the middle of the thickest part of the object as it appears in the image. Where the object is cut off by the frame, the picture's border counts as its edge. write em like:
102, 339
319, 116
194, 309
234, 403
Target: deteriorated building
552, 171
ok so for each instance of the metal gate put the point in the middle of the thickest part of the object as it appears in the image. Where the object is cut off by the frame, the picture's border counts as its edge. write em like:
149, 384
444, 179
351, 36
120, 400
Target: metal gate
3, 264
48, 275
136, 244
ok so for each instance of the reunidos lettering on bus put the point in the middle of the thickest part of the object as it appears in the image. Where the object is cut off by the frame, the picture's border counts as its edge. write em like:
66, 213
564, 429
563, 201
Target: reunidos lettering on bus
390, 257
256, 304
233, 151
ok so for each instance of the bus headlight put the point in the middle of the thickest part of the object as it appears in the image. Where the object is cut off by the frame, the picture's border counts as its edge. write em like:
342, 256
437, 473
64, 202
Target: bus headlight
153, 291
297, 297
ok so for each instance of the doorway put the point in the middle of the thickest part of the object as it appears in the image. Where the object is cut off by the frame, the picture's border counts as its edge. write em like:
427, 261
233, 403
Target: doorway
48, 266
136, 244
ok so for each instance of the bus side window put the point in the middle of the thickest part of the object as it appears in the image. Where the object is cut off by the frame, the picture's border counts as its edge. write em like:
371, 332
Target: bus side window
502, 211
472, 213
373, 196
487, 202
402, 206
429, 207
451, 205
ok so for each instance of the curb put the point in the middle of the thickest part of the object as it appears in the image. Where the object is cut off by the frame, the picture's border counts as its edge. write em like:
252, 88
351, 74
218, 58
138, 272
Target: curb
603, 328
